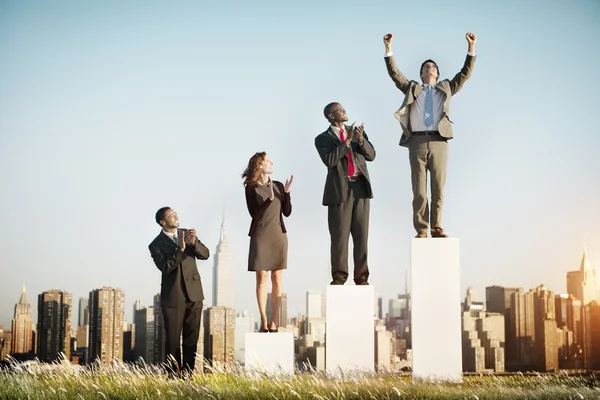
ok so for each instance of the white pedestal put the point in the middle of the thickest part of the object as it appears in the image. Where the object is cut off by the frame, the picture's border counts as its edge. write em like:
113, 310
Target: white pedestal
435, 297
350, 331
270, 352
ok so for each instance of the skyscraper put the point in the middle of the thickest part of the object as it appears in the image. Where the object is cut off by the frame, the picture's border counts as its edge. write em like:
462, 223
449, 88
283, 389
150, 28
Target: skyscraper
283, 309
498, 300
83, 318
219, 330
107, 307
223, 286
582, 284
145, 339
22, 327
54, 324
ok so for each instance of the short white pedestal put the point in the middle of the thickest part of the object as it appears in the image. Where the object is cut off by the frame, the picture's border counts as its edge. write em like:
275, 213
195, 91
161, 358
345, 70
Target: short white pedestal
435, 297
270, 352
350, 331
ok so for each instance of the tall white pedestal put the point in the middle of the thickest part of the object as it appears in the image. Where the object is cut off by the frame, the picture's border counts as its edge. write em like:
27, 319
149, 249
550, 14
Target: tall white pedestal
350, 331
435, 297
270, 352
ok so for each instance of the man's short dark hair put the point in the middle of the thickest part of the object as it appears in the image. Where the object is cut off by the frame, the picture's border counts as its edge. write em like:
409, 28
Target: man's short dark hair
434, 63
329, 109
160, 214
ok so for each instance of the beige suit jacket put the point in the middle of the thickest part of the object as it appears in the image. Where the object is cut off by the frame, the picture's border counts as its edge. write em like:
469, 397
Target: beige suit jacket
413, 89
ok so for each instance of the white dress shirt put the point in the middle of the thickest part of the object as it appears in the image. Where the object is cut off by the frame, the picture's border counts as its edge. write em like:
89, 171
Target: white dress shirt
417, 109
172, 236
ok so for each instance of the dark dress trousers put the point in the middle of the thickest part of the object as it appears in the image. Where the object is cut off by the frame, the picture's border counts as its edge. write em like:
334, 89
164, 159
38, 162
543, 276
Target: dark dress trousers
181, 297
347, 203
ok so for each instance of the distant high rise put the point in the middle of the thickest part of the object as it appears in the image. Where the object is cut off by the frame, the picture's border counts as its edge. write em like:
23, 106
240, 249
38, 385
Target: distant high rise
314, 301
107, 308
54, 325
223, 285
219, 331
498, 300
244, 323
283, 310
137, 305
583, 283
83, 318
22, 327
546, 336
159, 331
145, 335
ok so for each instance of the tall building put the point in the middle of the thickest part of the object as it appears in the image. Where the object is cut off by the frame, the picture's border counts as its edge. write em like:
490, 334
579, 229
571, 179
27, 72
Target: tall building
314, 302
283, 310
583, 283
498, 300
159, 331
107, 308
5, 340
483, 337
244, 323
223, 285
83, 318
523, 331
54, 325
145, 335
21, 342
546, 332
219, 331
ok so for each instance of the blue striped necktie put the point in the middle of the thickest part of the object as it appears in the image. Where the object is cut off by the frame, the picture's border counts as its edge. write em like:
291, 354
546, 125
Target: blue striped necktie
428, 116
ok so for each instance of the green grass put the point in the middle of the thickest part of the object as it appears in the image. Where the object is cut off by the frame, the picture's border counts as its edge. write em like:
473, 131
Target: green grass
65, 381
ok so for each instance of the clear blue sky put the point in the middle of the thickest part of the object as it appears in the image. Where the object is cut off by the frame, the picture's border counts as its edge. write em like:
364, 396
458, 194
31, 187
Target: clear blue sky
110, 110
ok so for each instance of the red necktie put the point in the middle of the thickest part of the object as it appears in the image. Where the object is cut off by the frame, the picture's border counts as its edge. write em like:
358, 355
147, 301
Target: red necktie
348, 154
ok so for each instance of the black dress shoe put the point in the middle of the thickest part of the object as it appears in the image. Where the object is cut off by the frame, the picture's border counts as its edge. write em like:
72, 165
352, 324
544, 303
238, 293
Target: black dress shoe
275, 330
263, 330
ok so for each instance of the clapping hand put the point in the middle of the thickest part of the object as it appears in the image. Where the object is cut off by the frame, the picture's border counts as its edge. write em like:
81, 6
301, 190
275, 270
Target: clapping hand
359, 132
192, 236
288, 184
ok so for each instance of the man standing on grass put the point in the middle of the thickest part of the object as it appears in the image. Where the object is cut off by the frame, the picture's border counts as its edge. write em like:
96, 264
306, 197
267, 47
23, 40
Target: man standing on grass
174, 252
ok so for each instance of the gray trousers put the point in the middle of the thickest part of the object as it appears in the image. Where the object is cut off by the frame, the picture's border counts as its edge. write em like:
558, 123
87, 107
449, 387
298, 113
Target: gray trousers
427, 153
350, 217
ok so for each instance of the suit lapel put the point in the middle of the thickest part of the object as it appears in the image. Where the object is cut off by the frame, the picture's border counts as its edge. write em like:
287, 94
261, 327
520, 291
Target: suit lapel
167, 239
417, 89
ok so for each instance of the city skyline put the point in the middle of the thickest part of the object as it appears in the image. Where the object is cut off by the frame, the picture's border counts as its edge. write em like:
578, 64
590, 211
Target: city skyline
100, 104
584, 264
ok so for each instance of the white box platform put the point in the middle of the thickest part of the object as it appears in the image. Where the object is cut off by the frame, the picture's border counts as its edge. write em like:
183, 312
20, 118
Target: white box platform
270, 352
435, 297
350, 331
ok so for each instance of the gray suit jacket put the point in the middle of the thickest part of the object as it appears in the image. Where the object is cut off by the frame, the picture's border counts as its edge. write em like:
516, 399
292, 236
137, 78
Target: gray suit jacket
333, 154
413, 89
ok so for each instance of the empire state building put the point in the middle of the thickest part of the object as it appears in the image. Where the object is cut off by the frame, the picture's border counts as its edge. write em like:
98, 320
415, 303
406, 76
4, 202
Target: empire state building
223, 273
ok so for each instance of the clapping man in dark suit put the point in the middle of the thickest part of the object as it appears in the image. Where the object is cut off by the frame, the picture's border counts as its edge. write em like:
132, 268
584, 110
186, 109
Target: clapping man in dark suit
345, 150
174, 252
424, 117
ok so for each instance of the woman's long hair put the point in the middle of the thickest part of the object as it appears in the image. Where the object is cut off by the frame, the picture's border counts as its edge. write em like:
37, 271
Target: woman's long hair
254, 170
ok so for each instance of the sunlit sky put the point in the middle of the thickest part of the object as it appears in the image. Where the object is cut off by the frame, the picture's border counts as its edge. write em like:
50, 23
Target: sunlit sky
110, 110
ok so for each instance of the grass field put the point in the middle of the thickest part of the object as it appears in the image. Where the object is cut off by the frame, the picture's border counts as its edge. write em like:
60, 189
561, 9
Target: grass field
65, 381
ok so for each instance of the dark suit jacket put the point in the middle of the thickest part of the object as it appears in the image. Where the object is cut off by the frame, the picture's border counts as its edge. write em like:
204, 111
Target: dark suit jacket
256, 211
178, 269
333, 154
413, 89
